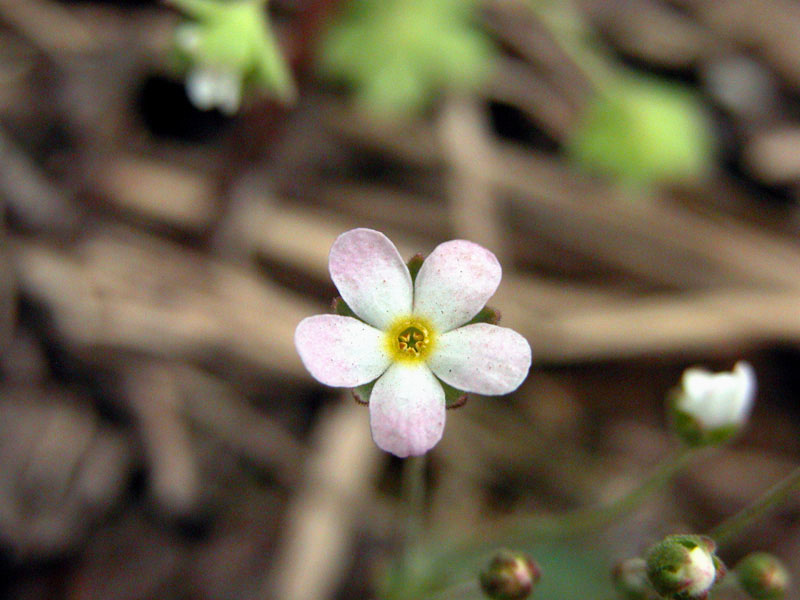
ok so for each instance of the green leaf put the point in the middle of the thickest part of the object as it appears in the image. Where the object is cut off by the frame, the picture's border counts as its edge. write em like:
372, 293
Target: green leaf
397, 55
643, 129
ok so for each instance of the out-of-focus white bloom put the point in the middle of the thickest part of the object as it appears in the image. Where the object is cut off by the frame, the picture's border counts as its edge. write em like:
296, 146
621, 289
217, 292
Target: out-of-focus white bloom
209, 88
719, 399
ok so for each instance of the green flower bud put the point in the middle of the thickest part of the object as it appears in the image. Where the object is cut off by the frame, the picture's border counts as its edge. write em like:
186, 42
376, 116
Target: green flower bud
510, 576
684, 567
630, 580
762, 576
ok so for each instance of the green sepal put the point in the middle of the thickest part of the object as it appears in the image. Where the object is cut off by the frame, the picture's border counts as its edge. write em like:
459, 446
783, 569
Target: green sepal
340, 307
719, 567
486, 315
691, 431
362, 393
414, 265
453, 397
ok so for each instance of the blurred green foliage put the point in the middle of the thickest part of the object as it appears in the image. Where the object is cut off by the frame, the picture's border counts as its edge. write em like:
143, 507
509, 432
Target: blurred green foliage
642, 129
397, 55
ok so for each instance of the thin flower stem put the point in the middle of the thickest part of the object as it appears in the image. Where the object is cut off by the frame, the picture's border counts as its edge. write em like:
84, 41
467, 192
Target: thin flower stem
413, 482
523, 532
588, 519
777, 494
459, 591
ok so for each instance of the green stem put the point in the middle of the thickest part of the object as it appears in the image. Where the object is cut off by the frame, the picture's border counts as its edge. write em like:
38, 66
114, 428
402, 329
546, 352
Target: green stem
522, 532
588, 519
777, 494
413, 489
458, 591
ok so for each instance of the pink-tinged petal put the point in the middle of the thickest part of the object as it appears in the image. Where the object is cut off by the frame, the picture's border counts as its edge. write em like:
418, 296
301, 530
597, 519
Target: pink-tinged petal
455, 282
341, 351
406, 410
371, 276
482, 358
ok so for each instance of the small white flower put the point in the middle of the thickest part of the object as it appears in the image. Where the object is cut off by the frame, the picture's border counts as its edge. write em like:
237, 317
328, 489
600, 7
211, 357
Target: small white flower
718, 400
409, 336
209, 88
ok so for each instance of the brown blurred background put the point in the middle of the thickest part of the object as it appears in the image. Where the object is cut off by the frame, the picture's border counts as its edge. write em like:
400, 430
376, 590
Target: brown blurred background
159, 437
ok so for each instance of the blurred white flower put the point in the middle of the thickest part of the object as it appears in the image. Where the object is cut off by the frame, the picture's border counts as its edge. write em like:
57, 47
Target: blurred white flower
711, 407
209, 88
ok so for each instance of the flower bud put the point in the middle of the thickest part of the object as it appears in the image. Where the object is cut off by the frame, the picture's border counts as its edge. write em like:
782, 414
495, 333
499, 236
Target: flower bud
762, 576
683, 567
510, 576
709, 408
630, 579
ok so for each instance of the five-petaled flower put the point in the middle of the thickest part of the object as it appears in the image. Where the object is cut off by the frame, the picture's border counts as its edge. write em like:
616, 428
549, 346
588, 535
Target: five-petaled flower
410, 334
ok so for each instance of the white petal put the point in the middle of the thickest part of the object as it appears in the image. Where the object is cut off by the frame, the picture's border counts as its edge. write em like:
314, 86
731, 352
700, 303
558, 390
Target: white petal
482, 358
229, 92
200, 88
371, 276
455, 282
718, 399
341, 351
406, 410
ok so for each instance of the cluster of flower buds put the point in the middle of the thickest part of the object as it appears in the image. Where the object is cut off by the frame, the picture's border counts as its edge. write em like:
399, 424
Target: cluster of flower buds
710, 408
510, 576
685, 567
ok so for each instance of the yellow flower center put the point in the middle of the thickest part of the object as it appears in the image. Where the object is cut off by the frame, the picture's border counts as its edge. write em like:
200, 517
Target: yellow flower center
410, 338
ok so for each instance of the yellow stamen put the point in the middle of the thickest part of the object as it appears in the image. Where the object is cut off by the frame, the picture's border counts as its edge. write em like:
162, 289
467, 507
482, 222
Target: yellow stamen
410, 338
